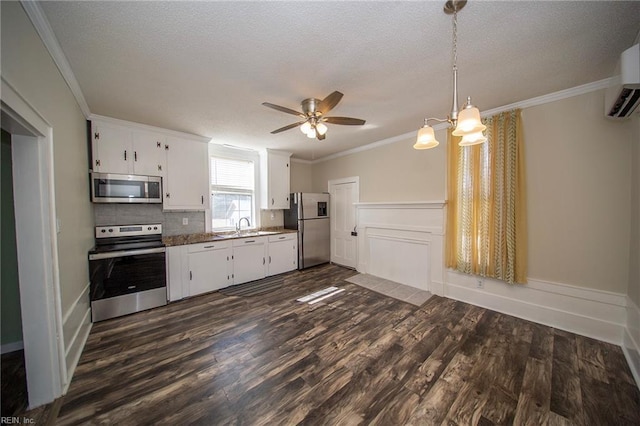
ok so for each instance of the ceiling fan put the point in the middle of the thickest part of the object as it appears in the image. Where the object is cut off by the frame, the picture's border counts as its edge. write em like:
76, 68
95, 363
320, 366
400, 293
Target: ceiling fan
313, 116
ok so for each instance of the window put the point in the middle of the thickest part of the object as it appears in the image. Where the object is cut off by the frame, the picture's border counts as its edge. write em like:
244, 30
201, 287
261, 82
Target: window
486, 211
232, 192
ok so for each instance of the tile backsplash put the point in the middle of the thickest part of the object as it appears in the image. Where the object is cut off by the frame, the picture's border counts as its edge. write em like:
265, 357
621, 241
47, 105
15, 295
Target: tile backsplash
130, 214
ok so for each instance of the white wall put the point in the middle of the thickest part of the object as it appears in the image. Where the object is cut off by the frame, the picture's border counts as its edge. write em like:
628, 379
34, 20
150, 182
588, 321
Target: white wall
394, 172
28, 68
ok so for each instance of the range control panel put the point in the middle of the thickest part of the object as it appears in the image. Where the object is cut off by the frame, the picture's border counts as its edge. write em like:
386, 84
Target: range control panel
128, 230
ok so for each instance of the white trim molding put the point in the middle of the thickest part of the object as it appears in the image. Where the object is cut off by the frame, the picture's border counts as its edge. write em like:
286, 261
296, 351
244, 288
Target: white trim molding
588, 312
76, 328
631, 339
44, 30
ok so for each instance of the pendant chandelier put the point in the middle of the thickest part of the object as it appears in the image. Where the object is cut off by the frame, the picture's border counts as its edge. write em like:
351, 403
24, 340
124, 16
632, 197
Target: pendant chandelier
467, 122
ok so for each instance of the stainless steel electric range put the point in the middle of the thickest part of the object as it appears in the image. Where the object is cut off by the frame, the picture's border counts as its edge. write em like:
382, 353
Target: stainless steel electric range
127, 270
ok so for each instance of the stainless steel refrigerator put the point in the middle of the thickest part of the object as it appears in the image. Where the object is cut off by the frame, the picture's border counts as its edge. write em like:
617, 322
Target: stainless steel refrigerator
309, 215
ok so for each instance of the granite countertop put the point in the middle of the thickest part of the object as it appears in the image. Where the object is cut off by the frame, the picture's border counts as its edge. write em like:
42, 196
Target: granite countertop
204, 237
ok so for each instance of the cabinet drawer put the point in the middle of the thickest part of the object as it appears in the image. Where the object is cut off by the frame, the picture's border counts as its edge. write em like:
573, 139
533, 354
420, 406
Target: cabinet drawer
213, 245
249, 241
282, 237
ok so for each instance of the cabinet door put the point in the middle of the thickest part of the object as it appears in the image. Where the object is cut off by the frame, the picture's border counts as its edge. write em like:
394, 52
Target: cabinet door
186, 183
111, 149
283, 255
279, 181
208, 271
274, 176
175, 272
149, 155
249, 261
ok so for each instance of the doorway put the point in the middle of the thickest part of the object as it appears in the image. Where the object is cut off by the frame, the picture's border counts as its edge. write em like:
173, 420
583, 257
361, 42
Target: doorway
14, 380
344, 242
36, 243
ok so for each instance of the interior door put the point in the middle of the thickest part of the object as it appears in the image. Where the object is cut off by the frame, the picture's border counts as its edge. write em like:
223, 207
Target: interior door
344, 241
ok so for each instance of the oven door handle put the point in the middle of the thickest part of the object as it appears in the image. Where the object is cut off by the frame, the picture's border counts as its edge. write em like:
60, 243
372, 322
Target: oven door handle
126, 253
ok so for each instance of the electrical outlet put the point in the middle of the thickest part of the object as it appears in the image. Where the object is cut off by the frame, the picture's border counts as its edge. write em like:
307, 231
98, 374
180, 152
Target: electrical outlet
480, 283
185, 220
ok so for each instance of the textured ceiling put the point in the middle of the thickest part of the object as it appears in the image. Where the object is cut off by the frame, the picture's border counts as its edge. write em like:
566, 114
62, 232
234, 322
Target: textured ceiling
206, 67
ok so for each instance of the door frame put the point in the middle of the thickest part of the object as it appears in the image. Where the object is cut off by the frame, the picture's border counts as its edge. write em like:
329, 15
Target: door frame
330, 184
37, 247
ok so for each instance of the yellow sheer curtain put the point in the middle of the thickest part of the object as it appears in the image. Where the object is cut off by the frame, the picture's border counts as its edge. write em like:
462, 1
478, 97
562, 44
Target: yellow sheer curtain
486, 206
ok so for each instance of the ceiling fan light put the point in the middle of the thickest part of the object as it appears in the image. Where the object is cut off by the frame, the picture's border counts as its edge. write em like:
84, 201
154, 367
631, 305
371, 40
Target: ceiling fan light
473, 139
321, 128
426, 138
306, 126
468, 122
311, 133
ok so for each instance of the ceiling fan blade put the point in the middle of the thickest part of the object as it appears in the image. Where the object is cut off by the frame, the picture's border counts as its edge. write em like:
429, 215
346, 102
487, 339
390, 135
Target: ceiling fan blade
344, 120
283, 109
320, 137
328, 103
290, 126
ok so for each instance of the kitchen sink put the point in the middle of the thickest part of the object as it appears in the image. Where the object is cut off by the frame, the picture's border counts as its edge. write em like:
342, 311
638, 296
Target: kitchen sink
244, 234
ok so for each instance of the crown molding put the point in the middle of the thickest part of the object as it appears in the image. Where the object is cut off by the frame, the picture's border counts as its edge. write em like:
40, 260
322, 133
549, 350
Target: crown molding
44, 30
540, 100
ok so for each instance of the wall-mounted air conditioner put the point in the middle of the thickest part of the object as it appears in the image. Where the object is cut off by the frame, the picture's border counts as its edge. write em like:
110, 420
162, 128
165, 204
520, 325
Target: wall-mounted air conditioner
622, 98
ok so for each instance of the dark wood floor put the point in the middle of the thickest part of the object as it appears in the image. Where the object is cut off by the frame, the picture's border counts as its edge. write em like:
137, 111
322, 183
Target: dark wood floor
356, 358
14, 384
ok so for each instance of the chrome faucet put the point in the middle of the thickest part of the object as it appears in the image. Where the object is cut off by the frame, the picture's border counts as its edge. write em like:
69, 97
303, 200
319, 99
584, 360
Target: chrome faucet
240, 222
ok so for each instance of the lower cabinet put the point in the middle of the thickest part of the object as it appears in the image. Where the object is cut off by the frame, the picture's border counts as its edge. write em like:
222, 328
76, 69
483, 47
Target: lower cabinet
283, 253
249, 259
200, 268
209, 267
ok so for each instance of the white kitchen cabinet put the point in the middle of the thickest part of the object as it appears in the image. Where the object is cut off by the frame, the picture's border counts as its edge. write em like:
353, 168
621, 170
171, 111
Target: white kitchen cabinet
275, 173
186, 184
149, 156
123, 150
249, 259
209, 267
176, 264
283, 253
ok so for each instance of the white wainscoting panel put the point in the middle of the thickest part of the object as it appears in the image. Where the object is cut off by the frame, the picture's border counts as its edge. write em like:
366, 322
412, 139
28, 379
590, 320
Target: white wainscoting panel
592, 313
76, 327
403, 242
631, 339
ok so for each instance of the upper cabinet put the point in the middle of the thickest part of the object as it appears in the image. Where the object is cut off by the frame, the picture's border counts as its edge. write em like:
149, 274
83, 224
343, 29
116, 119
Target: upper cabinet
182, 160
187, 179
123, 150
274, 176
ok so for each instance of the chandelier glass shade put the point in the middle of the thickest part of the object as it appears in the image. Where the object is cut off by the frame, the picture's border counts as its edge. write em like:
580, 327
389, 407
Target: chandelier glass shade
467, 122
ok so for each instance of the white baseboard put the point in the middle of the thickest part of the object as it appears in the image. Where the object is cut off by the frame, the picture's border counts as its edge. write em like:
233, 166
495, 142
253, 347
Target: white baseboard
76, 328
11, 347
588, 312
631, 340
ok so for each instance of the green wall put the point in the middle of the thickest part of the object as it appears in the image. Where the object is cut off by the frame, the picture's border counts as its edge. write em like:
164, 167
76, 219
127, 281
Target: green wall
10, 321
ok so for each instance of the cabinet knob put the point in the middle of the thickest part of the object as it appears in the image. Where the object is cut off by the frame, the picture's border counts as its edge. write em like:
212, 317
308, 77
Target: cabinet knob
125, 155
272, 201
167, 195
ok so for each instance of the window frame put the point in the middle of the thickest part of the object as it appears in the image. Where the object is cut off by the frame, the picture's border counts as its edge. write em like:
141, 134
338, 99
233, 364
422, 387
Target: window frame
239, 154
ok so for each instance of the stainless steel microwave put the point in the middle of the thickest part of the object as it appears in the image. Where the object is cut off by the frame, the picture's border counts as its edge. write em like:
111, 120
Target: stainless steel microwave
113, 188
